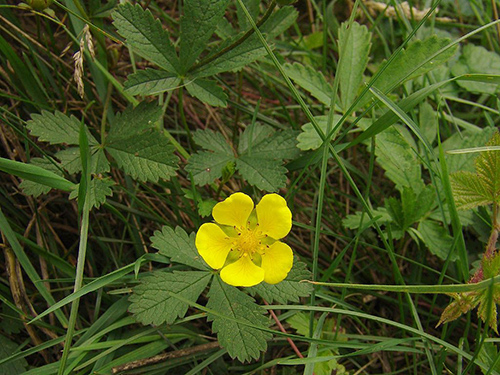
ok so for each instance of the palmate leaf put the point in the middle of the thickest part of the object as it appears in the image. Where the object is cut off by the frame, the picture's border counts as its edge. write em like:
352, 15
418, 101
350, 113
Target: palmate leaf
57, 128
154, 302
99, 190
208, 92
241, 340
237, 58
288, 290
260, 156
147, 156
134, 120
178, 246
146, 36
354, 46
70, 160
198, 23
151, 82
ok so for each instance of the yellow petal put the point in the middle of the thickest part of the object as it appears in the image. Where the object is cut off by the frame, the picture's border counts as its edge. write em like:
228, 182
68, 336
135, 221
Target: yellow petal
243, 272
274, 216
213, 245
277, 261
234, 210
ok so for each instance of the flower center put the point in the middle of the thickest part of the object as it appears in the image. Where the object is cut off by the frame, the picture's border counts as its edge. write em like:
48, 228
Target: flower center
248, 241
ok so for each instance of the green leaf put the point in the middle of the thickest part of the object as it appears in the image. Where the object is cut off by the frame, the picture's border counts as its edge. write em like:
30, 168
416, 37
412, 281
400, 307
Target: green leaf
401, 164
470, 191
437, 239
133, 121
263, 173
265, 142
151, 82
428, 121
353, 221
310, 80
415, 207
464, 140
154, 302
235, 59
36, 174
489, 355
33, 188
147, 156
56, 128
206, 166
288, 290
477, 59
279, 22
146, 36
208, 92
178, 246
354, 43
197, 26
213, 141
488, 167
100, 189
406, 65
7, 348
242, 341
70, 160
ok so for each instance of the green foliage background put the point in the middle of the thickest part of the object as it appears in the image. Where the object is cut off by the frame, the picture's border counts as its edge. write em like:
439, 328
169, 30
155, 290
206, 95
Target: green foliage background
124, 124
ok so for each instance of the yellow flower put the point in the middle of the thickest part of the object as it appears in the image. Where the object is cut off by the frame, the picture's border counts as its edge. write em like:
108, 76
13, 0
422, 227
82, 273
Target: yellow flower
244, 241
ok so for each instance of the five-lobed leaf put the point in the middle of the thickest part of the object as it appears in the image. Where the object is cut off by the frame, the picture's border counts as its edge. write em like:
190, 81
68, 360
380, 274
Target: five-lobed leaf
208, 92
146, 36
99, 190
238, 327
57, 128
178, 246
198, 23
154, 302
151, 82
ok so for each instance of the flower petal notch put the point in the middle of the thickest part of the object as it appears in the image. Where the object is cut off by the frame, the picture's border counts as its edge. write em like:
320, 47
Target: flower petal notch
244, 242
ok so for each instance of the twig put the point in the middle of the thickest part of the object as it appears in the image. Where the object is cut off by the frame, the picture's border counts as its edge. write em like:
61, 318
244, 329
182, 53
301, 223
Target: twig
169, 355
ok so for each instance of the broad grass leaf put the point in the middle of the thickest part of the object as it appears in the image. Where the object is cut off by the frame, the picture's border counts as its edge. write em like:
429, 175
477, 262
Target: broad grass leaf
198, 23
242, 341
36, 189
310, 80
208, 92
146, 36
154, 302
354, 43
477, 59
178, 246
151, 82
